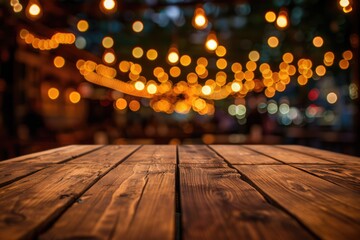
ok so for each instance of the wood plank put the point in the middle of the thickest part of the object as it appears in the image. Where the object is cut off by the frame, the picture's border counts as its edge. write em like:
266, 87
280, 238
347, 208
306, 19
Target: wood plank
28, 205
199, 154
330, 156
330, 211
154, 154
217, 204
236, 154
136, 202
16, 168
286, 156
346, 176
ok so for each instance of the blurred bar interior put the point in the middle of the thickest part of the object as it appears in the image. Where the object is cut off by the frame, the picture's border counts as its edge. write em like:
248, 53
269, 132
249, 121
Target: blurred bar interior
178, 72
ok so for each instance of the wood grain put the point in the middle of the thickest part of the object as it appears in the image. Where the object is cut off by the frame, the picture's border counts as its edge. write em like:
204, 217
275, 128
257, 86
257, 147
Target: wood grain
28, 205
198, 154
217, 204
136, 202
346, 176
330, 156
286, 156
16, 168
154, 154
236, 154
330, 211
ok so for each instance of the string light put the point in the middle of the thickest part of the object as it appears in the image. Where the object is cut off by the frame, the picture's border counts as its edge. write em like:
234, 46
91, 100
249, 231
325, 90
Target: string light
137, 26
173, 55
33, 10
211, 42
282, 20
199, 20
108, 6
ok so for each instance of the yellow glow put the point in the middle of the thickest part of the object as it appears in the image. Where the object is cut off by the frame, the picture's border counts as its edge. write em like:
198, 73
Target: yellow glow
17, 7
173, 56
157, 71
302, 80
53, 93
74, 97
235, 87
121, 103
199, 20
151, 88
109, 57
273, 42
329, 56
34, 9
270, 16
200, 69
175, 71
347, 55
318, 41
134, 105
288, 57
151, 54
211, 42
254, 56
251, 66
206, 90
221, 63
139, 85
347, 9
124, 66
199, 104
202, 61
59, 62
332, 98
137, 52
236, 67
344, 3
135, 69
320, 70
185, 60
282, 20
344, 64
107, 42
220, 51
137, 26
109, 4
192, 78
82, 25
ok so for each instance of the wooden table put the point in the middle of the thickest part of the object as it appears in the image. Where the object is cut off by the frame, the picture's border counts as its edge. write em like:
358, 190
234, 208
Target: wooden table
180, 192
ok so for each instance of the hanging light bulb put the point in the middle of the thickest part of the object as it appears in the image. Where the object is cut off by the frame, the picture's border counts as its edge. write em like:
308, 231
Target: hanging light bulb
211, 42
108, 6
282, 20
199, 20
33, 10
173, 55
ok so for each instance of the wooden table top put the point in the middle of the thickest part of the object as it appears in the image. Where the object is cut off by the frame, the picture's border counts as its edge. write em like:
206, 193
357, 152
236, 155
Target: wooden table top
180, 192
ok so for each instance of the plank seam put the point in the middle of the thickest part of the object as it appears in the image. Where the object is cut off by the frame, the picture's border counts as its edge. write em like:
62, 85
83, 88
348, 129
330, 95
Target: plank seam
48, 165
267, 198
46, 226
305, 153
178, 215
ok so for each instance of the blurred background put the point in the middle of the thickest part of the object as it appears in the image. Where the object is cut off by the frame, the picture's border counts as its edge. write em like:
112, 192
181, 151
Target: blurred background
178, 72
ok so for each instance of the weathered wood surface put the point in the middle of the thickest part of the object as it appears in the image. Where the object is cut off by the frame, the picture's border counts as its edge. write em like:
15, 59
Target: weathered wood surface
137, 201
330, 211
31, 203
345, 176
217, 204
16, 168
180, 192
329, 156
236, 154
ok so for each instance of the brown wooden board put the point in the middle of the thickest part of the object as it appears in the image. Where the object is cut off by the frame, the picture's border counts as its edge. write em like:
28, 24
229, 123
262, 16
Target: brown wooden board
327, 155
286, 156
346, 176
217, 204
199, 154
30, 204
236, 154
330, 211
131, 202
16, 168
154, 154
